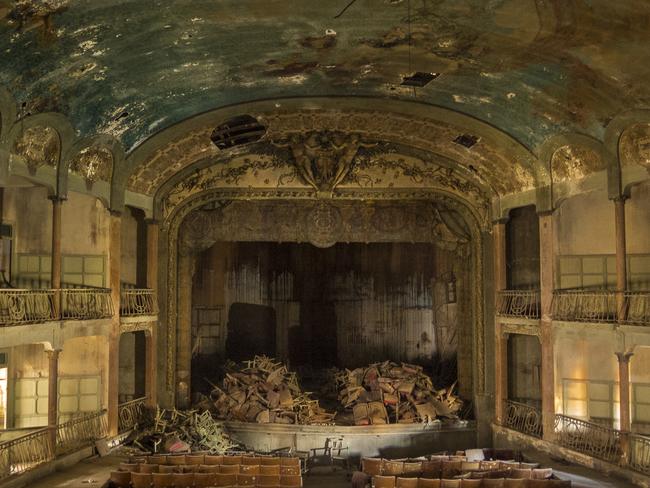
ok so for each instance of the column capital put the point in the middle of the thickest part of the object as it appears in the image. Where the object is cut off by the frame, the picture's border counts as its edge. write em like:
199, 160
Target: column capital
619, 198
53, 352
56, 198
624, 357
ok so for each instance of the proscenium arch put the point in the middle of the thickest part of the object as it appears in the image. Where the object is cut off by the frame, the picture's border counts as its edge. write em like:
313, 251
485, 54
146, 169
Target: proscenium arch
462, 123
171, 255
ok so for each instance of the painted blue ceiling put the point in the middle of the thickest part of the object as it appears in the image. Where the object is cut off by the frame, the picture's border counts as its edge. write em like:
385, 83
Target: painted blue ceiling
130, 68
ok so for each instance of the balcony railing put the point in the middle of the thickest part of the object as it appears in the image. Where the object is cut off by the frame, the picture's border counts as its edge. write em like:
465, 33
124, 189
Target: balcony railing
639, 453
519, 303
81, 432
584, 305
636, 308
26, 452
134, 302
131, 414
523, 418
86, 304
26, 306
21, 306
588, 438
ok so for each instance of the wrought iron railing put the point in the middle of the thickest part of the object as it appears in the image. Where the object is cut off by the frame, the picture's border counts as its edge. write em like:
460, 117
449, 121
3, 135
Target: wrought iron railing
26, 306
584, 305
519, 303
131, 414
523, 418
135, 301
86, 304
80, 432
636, 308
639, 459
19, 307
588, 438
26, 452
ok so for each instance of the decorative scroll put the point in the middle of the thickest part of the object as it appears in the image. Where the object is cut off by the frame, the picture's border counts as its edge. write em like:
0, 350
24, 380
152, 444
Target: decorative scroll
86, 304
80, 432
640, 453
131, 414
636, 308
571, 163
634, 146
320, 223
25, 453
19, 307
93, 164
135, 302
523, 418
584, 306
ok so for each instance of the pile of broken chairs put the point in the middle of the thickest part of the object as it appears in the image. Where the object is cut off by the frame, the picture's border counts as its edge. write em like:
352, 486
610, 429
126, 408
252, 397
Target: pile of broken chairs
263, 390
384, 393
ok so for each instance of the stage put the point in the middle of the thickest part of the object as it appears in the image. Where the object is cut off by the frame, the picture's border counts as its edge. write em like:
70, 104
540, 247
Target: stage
390, 441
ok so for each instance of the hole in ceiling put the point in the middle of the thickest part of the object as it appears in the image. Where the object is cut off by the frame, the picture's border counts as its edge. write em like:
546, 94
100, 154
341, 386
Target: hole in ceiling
466, 140
236, 131
122, 116
419, 79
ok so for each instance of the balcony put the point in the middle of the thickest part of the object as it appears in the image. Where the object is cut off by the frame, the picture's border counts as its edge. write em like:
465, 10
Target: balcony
137, 302
523, 418
601, 306
519, 303
22, 306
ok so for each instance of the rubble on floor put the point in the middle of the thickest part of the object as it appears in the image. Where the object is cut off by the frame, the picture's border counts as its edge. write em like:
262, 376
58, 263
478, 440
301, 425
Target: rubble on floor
384, 393
265, 391
174, 430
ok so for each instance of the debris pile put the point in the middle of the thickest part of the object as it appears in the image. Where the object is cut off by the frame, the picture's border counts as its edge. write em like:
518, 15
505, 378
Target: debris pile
182, 431
265, 391
384, 393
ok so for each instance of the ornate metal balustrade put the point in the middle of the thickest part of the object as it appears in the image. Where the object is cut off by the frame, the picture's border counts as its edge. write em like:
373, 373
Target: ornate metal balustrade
519, 303
584, 305
131, 414
636, 308
589, 438
80, 432
18, 306
86, 304
26, 452
639, 453
134, 301
523, 418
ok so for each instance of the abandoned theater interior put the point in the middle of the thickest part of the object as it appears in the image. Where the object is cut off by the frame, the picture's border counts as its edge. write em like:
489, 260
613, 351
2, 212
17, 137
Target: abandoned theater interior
284, 243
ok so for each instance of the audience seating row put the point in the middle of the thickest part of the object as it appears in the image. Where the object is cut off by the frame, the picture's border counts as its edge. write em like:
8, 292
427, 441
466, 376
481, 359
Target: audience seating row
254, 469
399, 482
450, 468
127, 479
189, 459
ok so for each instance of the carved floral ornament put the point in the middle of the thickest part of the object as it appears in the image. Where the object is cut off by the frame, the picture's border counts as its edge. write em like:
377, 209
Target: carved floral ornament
39, 146
573, 162
323, 142
325, 166
93, 164
324, 223
634, 146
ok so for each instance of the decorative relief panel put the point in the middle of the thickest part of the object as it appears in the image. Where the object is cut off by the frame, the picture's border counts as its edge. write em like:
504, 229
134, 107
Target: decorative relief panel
332, 167
94, 164
322, 144
634, 146
574, 163
39, 146
324, 223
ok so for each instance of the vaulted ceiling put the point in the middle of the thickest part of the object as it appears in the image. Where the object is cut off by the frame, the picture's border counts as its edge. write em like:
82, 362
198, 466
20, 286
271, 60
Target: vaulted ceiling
532, 68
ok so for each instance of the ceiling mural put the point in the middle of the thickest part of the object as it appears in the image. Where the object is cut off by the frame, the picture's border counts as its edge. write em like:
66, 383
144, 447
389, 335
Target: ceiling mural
131, 68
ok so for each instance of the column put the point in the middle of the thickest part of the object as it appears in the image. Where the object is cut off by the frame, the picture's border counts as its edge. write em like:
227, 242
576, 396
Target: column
55, 276
114, 259
501, 340
184, 328
151, 386
546, 262
53, 394
624, 393
621, 256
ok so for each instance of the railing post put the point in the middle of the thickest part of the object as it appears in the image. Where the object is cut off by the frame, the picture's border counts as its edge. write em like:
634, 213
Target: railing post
55, 276
151, 386
114, 260
501, 341
546, 261
53, 394
624, 394
621, 256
